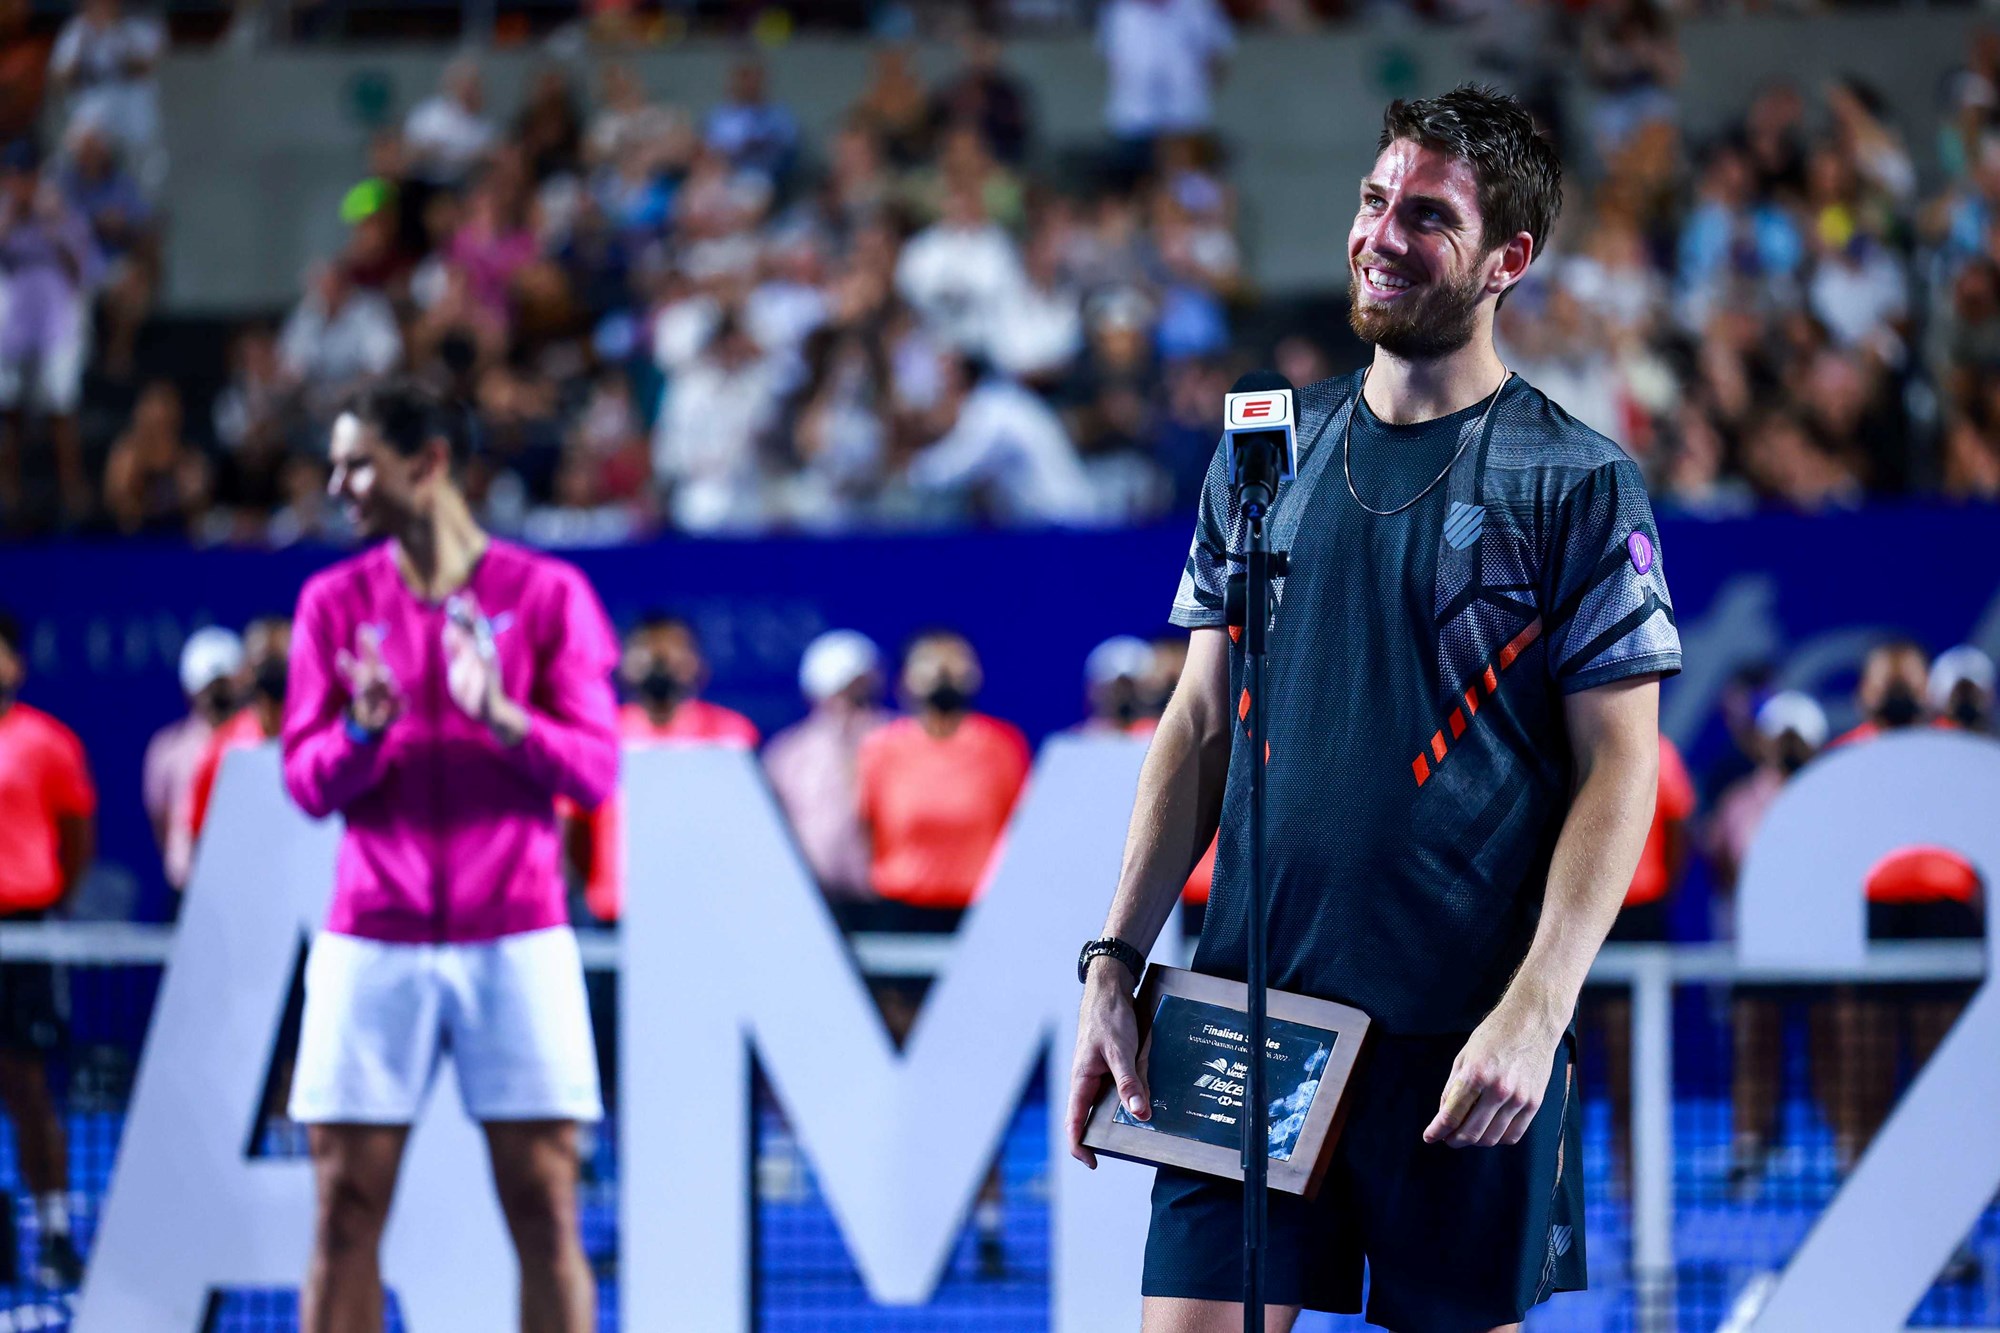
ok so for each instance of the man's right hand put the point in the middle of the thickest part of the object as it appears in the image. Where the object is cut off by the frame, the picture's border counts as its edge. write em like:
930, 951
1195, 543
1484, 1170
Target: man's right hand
374, 698
1107, 1046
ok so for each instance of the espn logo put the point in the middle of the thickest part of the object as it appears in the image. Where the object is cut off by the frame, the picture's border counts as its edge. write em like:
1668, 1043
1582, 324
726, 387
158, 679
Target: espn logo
1258, 410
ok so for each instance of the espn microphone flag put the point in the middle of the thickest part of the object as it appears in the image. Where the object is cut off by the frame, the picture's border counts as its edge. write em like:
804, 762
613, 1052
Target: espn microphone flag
1259, 420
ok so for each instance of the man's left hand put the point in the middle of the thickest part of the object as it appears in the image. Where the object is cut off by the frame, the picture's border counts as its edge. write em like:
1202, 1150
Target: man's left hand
1496, 1083
472, 672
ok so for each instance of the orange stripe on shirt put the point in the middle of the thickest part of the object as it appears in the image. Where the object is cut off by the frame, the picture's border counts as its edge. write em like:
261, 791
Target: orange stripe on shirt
1520, 643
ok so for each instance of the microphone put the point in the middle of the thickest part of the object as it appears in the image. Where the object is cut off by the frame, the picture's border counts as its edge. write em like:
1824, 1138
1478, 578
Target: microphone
1259, 420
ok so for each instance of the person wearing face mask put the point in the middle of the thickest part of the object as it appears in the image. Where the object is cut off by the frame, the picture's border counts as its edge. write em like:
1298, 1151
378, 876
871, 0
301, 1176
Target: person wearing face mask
1891, 694
1789, 729
211, 659
1961, 690
260, 686
1115, 677
1129, 682
48, 834
664, 672
937, 786
1920, 892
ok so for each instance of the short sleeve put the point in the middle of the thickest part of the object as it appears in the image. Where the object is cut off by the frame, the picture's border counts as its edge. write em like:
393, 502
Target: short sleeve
740, 731
1610, 616
1014, 759
69, 791
1201, 601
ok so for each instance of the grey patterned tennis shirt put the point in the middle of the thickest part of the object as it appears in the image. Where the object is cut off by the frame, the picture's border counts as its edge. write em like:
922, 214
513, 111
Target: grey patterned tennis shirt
1418, 762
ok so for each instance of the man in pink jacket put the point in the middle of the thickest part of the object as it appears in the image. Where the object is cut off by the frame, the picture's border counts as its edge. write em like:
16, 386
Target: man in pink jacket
446, 688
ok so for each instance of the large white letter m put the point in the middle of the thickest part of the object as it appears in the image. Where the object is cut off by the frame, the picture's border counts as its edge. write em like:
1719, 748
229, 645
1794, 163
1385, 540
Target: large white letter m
727, 945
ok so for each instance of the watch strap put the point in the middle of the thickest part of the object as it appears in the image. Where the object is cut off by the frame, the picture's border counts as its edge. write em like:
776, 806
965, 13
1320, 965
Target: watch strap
1110, 947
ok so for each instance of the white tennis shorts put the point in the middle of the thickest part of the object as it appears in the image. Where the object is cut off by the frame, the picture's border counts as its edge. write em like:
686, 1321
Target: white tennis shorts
510, 1013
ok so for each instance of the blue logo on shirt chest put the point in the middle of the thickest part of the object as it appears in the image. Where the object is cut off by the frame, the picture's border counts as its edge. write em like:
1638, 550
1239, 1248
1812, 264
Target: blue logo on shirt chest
1462, 524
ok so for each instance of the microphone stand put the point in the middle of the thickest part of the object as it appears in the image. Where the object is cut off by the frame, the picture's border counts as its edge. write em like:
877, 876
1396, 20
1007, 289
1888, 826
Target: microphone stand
1256, 1125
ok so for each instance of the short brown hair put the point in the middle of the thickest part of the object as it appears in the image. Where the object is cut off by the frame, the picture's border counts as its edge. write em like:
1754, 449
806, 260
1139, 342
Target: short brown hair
1515, 165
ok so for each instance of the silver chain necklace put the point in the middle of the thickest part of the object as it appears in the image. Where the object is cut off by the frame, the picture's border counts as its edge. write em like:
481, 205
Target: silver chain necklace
1347, 447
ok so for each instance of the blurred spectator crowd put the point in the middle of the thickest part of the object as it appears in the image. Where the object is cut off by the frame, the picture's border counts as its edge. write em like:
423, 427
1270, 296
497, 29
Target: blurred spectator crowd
1777, 313
658, 316
662, 317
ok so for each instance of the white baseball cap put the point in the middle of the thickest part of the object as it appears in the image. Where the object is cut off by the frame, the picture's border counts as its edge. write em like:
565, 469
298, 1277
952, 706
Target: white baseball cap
835, 660
1118, 658
1793, 710
209, 654
1954, 667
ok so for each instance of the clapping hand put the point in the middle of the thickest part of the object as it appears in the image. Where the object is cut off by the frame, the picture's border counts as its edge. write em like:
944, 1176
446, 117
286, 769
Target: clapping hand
472, 670
471, 673
374, 699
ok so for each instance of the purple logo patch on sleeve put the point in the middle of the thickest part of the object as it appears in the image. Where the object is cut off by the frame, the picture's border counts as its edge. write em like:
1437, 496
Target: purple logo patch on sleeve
1641, 548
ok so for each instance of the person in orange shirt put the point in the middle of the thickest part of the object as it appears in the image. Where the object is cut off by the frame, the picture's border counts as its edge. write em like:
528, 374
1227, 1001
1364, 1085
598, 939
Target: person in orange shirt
937, 788
1643, 920
664, 672
48, 834
1891, 693
267, 651
1920, 892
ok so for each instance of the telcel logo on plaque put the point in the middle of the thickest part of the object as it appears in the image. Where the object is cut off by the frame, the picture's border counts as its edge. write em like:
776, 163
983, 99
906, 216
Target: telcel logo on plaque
1195, 1052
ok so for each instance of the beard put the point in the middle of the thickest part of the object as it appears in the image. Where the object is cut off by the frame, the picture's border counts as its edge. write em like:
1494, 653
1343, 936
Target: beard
1427, 324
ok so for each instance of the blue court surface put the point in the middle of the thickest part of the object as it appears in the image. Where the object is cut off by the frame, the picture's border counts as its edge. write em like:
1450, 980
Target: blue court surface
1725, 1236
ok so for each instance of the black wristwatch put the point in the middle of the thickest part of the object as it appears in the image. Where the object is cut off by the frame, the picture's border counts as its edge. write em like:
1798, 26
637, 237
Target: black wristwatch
1111, 947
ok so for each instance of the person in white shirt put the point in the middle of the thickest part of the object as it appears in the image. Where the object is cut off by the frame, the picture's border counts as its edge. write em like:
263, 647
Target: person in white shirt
789, 304
211, 660
1007, 450
1163, 58
1859, 291
709, 438
105, 59
336, 336
1039, 331
448, 133
959, 273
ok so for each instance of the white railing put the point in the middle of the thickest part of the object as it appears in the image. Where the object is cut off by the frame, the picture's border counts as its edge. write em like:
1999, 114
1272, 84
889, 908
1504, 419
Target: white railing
1649, 971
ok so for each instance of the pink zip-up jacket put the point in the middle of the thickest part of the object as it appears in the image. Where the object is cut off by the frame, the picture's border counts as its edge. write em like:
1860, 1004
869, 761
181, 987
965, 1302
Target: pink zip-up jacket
451, 836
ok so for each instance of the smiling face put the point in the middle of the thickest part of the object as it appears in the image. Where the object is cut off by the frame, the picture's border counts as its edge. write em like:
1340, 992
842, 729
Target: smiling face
1420, 274
380, 490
